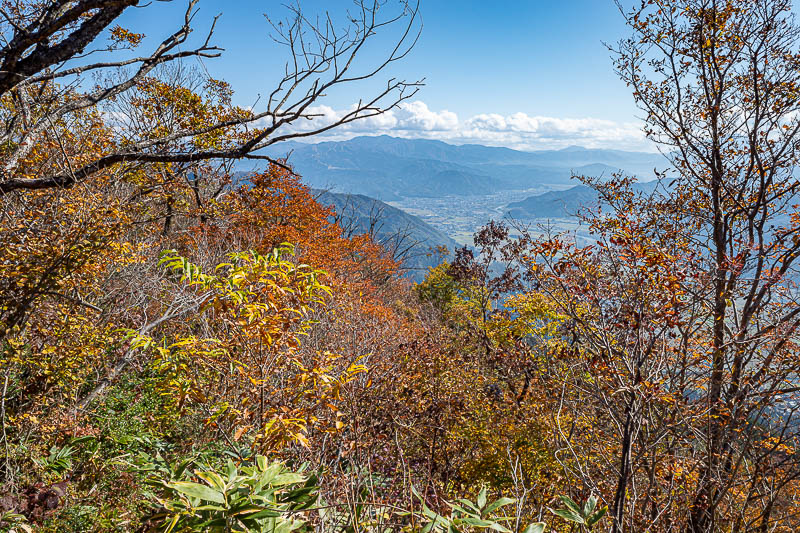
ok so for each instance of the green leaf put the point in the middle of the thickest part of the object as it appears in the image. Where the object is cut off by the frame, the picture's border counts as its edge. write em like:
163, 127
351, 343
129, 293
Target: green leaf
182, 466
502, 502
81, 440
571, 505
210, 507
430, 514
589, 505
471, 521
230, 470
301, 495
535, 527
471, 508
248, 512
285, 526
481, 498
287, 478
269, 473
568, 515
213, 479
266, 513
592, 520
499, 527
196, 490
172, 523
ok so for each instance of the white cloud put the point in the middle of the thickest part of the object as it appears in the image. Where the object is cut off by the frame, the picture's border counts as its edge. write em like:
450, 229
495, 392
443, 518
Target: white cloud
416, 116
518, 130
487, 122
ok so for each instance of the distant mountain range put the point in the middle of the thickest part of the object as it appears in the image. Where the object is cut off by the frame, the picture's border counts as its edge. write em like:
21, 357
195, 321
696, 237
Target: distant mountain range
390, 168
457, 188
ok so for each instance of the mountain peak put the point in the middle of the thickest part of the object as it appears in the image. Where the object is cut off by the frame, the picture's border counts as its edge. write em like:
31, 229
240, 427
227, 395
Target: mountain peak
574, 148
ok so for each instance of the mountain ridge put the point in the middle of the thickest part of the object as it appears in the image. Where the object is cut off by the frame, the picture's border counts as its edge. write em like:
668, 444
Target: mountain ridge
565, 203
388, 168
396, 230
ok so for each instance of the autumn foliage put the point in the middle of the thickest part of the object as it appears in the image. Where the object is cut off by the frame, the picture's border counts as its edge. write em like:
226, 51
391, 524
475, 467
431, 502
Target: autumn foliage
188, 346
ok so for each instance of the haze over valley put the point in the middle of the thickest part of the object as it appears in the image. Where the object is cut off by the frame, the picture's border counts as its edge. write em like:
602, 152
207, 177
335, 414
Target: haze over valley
456, 189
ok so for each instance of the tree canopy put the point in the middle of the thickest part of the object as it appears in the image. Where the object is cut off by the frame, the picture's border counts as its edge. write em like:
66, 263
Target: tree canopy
188, 347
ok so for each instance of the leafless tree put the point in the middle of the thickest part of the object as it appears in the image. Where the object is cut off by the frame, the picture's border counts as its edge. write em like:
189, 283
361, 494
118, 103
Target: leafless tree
401, 242
57, 102
43, 41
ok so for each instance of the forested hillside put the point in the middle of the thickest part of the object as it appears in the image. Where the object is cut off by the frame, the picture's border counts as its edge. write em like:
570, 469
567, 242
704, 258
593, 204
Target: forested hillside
185, 350
415, 245
569, 203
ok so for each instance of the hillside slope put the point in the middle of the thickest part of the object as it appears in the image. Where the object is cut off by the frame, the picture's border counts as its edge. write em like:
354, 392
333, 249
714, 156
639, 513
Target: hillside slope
563, 204
399, 232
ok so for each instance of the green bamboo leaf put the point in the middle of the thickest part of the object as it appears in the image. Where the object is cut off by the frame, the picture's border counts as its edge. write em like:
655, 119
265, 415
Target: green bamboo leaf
588, 507
181, 467
249, 511
535, 527
428, 527
213, 479
230, 470
287, 478
499, 527
571, 505
430, 514
568, 515
473, 509
266, 513
196, 490
172, 523
210, 507
472, 521
592, 520
502, 502
481, 498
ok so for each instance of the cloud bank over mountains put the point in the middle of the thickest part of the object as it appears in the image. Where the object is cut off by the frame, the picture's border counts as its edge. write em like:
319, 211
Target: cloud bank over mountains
414, 119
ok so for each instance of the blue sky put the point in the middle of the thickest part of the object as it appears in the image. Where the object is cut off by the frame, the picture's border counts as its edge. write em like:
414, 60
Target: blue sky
528, 74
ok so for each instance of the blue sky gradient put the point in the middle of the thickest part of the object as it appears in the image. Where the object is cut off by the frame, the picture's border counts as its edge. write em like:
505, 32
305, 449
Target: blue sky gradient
522, 74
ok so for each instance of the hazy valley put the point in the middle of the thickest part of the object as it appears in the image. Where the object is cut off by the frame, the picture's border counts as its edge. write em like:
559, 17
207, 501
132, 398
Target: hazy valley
457, 189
